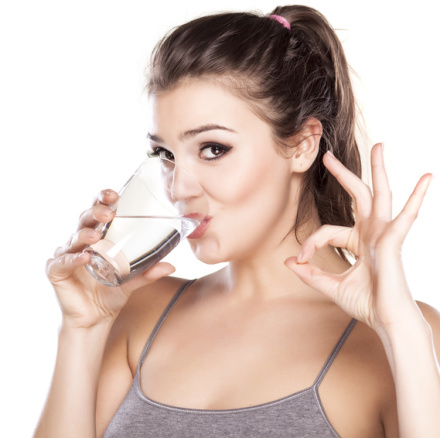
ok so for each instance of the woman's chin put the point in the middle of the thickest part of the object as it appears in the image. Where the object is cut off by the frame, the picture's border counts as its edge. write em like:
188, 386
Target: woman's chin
210, 259
207, 252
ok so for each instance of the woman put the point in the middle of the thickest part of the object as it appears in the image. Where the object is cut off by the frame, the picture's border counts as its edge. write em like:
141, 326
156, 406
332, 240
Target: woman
289, 339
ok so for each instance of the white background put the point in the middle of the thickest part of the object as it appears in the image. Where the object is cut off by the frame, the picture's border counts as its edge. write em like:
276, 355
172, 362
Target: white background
73, 121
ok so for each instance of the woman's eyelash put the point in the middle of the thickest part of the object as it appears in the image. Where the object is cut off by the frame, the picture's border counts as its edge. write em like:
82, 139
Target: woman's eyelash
216, 150
221, 151
161, 153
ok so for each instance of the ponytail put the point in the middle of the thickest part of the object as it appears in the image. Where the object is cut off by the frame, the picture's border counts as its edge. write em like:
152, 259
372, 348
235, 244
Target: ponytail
327, 94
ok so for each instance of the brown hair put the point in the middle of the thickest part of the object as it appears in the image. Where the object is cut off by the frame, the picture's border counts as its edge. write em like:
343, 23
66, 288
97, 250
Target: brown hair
288, 75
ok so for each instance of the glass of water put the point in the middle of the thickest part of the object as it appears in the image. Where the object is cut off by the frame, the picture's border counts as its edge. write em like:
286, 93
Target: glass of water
159, 206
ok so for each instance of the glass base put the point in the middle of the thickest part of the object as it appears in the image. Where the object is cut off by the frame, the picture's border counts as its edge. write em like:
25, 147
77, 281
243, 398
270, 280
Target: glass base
102, 270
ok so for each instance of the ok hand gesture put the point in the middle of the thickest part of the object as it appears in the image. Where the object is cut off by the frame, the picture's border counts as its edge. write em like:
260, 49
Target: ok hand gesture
374, 289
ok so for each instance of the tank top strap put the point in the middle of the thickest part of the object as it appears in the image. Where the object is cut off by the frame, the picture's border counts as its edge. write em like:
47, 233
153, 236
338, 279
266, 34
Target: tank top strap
334, 353
161, 320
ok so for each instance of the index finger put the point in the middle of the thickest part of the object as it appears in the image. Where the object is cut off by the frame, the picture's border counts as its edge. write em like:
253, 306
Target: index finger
354, 186
382, 205
106, 197
104, 200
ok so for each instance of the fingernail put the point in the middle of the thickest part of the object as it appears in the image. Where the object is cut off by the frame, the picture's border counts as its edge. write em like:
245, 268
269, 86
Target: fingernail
93, 234
108, 212
81, 256
299, 257
331, 153
170, 270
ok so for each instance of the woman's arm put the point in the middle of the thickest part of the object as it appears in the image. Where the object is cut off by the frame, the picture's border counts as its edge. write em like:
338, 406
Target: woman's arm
411, 350
374, 290
70, 407
89, 310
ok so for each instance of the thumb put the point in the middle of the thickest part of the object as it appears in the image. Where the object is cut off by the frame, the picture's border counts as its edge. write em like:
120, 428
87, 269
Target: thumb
314, 277
155, 273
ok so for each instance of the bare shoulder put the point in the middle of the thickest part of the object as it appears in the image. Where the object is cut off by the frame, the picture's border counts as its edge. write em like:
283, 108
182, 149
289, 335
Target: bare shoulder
149, 299
361, 376
432, 316
141, 313
125, 343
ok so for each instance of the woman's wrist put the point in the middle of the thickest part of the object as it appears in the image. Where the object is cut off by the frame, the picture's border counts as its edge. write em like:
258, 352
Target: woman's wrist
411, 329
80, 325
71, 332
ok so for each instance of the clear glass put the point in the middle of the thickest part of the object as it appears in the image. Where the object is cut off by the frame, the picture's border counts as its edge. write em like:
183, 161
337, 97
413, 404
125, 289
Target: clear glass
159, 206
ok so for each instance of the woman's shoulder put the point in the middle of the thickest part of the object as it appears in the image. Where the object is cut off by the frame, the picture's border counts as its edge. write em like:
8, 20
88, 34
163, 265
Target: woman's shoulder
137, 319
430, 313
432, 317
150, 299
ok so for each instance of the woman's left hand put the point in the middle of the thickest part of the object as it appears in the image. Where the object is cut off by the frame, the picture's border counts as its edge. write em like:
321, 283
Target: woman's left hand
374, 289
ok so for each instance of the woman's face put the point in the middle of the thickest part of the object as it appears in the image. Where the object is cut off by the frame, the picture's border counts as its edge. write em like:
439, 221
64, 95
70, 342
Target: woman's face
251, 191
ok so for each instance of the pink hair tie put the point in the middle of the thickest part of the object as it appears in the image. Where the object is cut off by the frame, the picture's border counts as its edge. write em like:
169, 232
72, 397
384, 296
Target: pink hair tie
281, 20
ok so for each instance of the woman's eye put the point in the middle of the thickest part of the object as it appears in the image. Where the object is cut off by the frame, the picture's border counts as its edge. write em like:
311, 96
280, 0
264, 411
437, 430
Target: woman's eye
163, 153
214, 151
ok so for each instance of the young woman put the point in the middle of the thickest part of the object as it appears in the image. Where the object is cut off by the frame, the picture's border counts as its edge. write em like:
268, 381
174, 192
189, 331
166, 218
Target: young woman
290, 339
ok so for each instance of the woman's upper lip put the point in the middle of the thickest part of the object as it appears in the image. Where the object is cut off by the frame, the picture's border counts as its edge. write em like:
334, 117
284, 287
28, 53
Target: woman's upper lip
200, 230
197, 216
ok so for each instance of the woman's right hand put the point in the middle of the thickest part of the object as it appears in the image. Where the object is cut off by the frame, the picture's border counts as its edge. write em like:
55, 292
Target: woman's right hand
83, 300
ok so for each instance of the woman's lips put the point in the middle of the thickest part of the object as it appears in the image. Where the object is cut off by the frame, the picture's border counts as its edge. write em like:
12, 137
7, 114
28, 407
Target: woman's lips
200, 230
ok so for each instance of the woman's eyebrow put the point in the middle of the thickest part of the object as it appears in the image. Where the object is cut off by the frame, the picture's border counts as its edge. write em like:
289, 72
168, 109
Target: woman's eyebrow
154, 138
210, 127
192, 132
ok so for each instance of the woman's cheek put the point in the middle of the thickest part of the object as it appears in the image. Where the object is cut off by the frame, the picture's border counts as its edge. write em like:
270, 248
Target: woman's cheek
234, 184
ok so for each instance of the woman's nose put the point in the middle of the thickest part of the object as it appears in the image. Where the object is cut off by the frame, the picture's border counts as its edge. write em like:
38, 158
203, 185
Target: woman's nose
184, 186
186, 194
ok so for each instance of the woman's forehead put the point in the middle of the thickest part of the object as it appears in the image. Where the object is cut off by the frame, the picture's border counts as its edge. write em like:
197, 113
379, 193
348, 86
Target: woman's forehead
200, 102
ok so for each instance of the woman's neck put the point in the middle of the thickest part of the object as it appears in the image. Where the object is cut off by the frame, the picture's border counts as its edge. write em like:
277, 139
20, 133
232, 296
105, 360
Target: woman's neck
264, 276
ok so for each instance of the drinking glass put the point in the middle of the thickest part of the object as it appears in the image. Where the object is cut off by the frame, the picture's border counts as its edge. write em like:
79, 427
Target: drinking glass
159, 206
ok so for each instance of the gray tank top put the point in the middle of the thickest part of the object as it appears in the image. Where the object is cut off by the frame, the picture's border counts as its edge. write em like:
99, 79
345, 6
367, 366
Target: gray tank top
299, 415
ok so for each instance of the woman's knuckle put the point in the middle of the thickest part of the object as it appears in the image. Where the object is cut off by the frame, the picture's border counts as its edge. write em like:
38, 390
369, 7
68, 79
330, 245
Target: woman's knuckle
72, 242
62, 260
58, 251
364, 192
96, 211
49, 263
83, 215
326, 228
84, 235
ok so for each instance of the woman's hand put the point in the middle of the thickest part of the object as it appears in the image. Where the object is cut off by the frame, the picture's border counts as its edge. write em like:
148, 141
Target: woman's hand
374, 289
84, 301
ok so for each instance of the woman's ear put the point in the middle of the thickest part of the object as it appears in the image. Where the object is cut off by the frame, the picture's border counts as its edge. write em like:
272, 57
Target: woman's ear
306, 145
